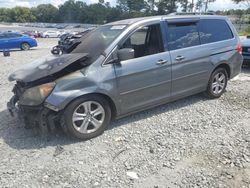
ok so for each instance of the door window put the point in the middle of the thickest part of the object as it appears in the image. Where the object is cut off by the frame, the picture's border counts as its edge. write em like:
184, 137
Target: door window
182, 35
13, 35
145, 41
212, 30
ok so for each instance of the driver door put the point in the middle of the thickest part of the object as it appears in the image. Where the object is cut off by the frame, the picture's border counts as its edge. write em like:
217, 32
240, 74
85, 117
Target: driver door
144, 80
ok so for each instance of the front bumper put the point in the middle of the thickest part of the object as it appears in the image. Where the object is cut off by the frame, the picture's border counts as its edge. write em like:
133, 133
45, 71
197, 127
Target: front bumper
33, 116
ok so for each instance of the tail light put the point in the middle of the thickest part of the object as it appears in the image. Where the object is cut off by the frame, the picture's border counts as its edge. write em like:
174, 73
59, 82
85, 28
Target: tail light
239, 48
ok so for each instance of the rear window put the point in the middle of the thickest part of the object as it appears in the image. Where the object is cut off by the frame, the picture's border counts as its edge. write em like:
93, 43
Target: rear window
182, 35
212, 30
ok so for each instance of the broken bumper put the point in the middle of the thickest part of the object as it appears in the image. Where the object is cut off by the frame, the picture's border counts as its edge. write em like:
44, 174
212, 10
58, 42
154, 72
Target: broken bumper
33, 116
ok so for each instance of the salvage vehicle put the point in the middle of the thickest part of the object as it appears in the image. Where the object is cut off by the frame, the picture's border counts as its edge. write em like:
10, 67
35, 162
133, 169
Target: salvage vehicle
125, 67
68, 42
12, 40
246, 51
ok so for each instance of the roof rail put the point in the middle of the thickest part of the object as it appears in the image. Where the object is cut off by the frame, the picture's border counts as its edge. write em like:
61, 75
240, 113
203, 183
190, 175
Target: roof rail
192, 13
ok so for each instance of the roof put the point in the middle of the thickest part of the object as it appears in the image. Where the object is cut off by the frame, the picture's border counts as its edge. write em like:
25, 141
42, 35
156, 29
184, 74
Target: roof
152, 18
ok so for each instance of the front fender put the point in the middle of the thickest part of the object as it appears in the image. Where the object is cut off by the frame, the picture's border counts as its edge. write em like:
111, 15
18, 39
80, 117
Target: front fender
78, 84
59, 100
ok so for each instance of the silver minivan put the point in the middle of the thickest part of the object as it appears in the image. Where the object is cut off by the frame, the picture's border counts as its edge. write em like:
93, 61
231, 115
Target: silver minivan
125, 67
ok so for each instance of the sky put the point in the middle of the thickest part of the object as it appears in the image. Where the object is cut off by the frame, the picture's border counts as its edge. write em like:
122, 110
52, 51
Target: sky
218, 5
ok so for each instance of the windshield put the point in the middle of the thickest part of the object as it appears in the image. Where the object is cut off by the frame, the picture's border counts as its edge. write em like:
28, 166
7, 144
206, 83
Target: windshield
95, 42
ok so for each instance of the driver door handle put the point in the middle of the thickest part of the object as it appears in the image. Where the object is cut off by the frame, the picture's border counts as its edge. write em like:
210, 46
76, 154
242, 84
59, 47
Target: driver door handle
161, 62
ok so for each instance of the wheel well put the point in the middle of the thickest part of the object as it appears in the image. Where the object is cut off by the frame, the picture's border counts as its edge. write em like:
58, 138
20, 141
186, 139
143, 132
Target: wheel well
110, 101
225, 66
25, 43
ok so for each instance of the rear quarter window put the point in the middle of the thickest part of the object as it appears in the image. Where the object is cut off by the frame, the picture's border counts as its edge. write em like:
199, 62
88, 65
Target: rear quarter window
214, 30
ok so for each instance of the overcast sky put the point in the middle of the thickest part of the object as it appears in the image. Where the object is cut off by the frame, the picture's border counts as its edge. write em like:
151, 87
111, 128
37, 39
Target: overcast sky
218, 5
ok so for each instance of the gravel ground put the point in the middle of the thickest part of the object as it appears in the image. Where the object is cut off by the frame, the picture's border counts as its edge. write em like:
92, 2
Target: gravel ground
194, 142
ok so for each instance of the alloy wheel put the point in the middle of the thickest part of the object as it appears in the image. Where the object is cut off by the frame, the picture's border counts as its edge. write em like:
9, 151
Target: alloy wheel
88, 117
219, 83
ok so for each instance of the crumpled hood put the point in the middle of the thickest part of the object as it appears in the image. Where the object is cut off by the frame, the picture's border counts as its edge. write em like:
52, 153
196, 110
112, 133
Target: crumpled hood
47, 66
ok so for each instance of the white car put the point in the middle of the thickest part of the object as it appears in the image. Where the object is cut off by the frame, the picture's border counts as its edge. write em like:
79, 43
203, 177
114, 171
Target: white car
51, 34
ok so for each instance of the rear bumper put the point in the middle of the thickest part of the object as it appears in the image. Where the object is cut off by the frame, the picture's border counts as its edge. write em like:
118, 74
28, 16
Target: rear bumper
33, 116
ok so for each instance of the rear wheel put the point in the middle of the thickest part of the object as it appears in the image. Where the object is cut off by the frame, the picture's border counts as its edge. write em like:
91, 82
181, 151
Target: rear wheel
217, 83
87, 117
25, 46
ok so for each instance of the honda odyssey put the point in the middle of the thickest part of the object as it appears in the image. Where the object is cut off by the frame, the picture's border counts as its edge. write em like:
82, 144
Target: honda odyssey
125, 67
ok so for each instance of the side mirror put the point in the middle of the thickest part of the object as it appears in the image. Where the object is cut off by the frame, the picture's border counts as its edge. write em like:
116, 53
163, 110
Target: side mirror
126, 54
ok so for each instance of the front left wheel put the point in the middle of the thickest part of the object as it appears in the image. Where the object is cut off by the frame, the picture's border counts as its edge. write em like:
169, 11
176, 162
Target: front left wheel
87, 117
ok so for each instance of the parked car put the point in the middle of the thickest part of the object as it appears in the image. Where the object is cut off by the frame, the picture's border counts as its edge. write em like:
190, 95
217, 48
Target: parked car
68, 42
31, 34
12, 40
125, 67
246, 51
51, 34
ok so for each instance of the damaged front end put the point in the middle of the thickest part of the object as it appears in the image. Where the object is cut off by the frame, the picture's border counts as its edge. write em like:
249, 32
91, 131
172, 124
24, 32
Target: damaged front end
35, 82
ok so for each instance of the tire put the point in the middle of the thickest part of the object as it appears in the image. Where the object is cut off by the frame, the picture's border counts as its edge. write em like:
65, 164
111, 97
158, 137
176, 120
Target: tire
79, 121
56, 51
25, 46
217, 83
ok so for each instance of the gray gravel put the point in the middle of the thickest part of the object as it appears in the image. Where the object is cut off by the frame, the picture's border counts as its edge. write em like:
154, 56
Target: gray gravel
194, 142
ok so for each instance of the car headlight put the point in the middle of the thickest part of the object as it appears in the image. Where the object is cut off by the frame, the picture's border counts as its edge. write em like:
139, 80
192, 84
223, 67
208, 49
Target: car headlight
36, 95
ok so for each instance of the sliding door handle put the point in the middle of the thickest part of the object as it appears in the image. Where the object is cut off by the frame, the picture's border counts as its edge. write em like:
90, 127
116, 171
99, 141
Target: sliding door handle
179, 58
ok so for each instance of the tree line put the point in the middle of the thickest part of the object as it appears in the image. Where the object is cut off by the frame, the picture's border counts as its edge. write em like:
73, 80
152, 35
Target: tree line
73, 11
98, 13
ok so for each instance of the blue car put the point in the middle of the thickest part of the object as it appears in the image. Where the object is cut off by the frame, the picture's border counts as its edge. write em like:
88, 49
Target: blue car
11, 40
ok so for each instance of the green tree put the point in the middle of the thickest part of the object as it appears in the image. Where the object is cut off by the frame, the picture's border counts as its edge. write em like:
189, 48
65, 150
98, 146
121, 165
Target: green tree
72, 11
5, 15
132, 5
166, 6
245, 2
22, 14
46, 13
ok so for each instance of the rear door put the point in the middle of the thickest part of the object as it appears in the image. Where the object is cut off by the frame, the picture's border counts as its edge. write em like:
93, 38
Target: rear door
190, 61
146, 79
